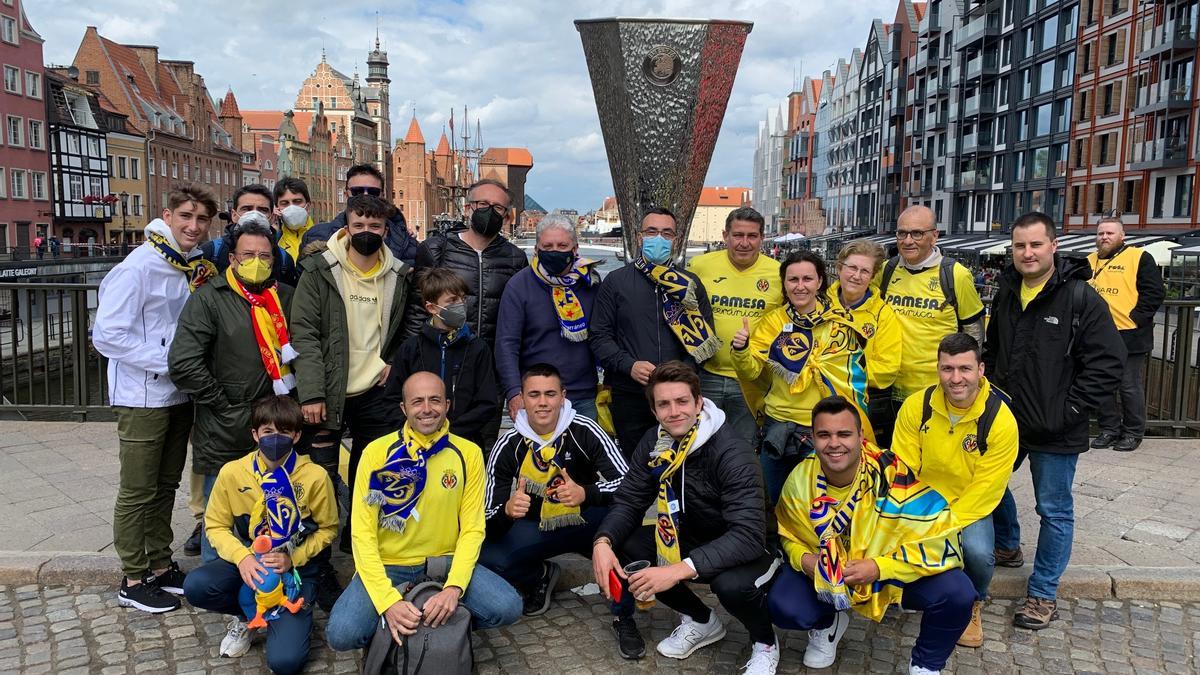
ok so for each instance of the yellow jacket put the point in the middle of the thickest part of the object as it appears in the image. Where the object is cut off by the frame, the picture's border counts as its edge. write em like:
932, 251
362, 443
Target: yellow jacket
947, 456
289, 239
885, 338
451, 519
236, 492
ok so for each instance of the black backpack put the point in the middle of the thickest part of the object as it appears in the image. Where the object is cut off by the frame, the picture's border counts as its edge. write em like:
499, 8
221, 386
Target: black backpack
445, 649
945, 278
983, 425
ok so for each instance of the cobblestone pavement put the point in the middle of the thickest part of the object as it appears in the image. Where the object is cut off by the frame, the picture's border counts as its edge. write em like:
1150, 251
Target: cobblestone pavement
81, 630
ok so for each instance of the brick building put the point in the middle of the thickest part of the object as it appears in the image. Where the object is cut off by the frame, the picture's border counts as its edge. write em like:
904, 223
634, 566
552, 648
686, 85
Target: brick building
80, 163
427, 183
510, 166
25, 210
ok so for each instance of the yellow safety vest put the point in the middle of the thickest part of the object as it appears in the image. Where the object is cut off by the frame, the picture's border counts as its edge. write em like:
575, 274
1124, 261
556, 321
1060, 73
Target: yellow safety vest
1115, 279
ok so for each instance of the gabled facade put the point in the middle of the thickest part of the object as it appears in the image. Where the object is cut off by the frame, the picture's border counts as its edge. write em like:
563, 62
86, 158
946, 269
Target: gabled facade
24, 162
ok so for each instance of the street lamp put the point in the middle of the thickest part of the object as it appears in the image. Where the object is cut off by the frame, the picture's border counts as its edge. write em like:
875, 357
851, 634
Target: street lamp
124, 223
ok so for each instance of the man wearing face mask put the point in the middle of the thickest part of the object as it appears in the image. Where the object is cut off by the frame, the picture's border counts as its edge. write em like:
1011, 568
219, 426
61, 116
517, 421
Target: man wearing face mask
252, 204
365, 179
291, 207
240, 317
544, 317
647, 313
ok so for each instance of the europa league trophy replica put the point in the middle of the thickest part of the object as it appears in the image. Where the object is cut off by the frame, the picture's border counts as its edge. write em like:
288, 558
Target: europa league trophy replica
661, 87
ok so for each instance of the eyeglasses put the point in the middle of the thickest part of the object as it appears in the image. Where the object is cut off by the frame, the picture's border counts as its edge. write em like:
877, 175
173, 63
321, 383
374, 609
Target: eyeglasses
480, 204
265, 210
359, 190
250, 255
855, 270
915, 235
655, 232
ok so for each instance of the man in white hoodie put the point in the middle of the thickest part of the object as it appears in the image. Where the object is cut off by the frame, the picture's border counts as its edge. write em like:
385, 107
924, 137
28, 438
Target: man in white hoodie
139, 305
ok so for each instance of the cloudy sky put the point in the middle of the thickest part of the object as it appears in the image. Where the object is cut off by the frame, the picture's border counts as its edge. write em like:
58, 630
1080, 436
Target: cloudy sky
518, 65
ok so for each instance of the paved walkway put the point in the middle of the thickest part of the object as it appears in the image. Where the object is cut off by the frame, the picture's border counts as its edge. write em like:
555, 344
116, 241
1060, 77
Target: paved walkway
59, 483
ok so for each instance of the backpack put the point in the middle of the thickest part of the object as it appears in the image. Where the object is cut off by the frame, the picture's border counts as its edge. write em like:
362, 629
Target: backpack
983, 425
445, 649
945, 278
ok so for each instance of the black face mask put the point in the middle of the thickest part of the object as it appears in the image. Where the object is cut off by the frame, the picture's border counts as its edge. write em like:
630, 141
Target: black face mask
556, 262
486, 221
366, 243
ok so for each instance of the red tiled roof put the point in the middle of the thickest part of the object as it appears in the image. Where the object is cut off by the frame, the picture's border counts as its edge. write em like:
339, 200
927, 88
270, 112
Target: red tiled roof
507, 157
135, 80
919, 8
722, 196
229, 106
443, 146
414, 134
263, 120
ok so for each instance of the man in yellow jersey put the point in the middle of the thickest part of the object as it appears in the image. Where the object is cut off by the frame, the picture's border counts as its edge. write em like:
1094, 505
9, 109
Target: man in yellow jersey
1129, 281
960, 438
913, 283
419, 495
742, 285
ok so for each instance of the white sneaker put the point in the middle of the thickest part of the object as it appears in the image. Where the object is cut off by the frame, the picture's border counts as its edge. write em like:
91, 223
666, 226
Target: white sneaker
918, 670
689, 636
237, 641
764, 659
821, 651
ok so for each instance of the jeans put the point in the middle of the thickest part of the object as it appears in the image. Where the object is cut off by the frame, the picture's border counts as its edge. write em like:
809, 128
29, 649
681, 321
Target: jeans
979, 555
944, 601
153, 451
632, 418
352, 623
585, 407
207, 552
1053, 475
726, 393
777, 469
215, 586
1131, 422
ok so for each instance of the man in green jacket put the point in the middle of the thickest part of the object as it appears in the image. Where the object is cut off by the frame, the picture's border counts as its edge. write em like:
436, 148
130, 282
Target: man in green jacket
347, 313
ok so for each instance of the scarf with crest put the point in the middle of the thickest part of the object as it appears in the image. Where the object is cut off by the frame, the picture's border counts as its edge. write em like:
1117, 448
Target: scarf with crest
666, 459
572, 322
681, 309
397, 485
542, 471
198, 270
270, 332
277, 514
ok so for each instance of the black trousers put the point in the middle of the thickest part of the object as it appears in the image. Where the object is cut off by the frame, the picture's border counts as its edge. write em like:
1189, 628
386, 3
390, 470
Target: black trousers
742, 590
632, 418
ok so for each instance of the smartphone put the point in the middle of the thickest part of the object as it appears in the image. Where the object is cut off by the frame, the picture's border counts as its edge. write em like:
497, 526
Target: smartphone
614, 585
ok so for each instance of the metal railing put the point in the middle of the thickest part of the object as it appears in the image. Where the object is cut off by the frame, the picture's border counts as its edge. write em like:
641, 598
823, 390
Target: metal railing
1173, 371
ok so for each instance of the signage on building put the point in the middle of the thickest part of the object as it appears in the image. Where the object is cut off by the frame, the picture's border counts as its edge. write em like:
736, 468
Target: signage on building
18, 272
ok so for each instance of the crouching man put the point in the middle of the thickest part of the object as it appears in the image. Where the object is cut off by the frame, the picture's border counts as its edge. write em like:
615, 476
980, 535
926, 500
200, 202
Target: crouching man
275, 492
418, 495
705, 483
860, 532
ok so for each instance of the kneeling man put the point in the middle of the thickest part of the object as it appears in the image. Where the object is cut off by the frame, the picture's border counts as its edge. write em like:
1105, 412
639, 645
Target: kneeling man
418, 495
704, 482
860, 532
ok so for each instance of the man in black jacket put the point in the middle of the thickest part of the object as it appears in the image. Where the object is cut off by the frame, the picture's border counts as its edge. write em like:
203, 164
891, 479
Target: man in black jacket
1052, 346
565, 470
630, 333
365, 179
706, 486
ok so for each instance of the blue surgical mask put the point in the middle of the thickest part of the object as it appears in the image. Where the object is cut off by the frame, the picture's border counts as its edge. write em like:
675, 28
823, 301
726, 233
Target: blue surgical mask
275, 446
656, 249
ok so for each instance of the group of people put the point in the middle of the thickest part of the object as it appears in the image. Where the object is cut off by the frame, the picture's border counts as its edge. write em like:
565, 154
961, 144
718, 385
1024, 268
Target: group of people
804, 441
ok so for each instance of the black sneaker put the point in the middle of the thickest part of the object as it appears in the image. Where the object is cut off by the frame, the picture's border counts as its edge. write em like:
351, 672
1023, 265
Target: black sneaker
538, 600
1106, 439
171, 580
146, 596
328, 591
1127, 444
191, 547
629, 639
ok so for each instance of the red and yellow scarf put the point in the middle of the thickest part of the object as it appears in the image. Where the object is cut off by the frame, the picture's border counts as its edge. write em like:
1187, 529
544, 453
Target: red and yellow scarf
270, 331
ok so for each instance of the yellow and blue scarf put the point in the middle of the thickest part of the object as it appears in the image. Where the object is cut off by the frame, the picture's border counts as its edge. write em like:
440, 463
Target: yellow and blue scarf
681, 309
572, 322
542, 471
665, 461
277, 515
398, 484
198, 270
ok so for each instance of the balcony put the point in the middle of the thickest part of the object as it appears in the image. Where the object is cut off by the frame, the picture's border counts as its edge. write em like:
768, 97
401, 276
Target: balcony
976, 143
1178, 35
1168, 95
979, 179
983, 66
934, 22
978, 29
937, 121
979, 104
926, 159
1164, 153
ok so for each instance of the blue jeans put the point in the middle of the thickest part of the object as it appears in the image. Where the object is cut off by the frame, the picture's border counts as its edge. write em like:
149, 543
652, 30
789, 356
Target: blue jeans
726, 393
979, 555
490, 600
1053, 475
944, 601
585, 407
207, 552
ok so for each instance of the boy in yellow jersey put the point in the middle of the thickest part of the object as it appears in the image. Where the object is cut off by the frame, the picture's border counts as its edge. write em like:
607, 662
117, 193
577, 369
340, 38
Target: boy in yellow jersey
742, 285
419, 495
960, 438
912, 284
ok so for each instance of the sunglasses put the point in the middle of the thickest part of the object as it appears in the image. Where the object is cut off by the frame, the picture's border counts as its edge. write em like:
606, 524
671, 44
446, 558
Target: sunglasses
363, 190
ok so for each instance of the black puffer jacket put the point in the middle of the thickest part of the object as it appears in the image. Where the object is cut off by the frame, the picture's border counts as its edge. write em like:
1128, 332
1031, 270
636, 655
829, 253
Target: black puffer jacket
1059, 359
720, 489
486, 275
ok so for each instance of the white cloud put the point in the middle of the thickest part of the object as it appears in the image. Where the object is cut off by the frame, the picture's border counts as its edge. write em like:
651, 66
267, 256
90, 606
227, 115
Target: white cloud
518, 66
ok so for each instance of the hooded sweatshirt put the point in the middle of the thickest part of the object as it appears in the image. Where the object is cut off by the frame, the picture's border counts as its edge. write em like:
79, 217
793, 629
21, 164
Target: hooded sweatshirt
361, 293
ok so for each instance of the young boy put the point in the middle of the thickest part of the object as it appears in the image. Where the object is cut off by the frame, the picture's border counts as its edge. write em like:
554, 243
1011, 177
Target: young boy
276, 492
447, 347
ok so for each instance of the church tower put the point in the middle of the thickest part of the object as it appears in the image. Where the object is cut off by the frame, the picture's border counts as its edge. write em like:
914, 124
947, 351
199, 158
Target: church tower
377, 107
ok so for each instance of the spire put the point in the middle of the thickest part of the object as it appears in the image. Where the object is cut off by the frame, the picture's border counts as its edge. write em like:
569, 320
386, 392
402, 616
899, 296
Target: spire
443, 146
229, 106
322, 53
414, 134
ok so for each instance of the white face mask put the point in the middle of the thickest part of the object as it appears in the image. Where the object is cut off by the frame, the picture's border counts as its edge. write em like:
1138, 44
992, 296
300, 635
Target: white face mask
294, 216
253, 217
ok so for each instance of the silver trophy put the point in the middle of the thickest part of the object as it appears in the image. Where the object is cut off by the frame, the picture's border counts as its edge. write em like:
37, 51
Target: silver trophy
661, 87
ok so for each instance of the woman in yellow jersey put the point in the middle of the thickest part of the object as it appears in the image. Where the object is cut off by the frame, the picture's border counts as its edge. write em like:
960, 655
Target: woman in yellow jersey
857, 264
801, 352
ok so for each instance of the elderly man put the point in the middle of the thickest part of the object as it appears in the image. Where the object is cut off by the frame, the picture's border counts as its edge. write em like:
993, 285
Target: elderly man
544, 317
647, 313
742, 284
1129, 281
933, 297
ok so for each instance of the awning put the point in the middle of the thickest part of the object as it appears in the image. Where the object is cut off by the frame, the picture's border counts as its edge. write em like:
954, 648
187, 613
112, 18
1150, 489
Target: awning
1157, 245
847, 235
789, 237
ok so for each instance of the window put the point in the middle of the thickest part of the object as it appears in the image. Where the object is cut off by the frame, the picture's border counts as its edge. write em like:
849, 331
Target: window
208, 175
1066, 70
1029, 43
94, 147
1069, 20
76, 187
93, 77
16, 129
150, 164
12, 80
123, 167
33, 85
1103, 191
1062, 115
268, 164
1049, 32
1160, 195
1026, 83
136, 209
38, 184
1006, 51
8, 29
1183, 196
1045, 76
18, 184
1041, 162
175, 168
1022, 125
1132, 191
187, 171
1110, 49
36, 136
1106, 98
3, 185
1086, 57
1104, 157
1019, 166
95, 186
135, 168
1080, 149
73, 142
112, 166
163, 168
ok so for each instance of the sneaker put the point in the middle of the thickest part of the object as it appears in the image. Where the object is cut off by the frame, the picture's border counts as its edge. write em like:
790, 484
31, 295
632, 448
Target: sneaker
191, 547
538, 600
1104, 440
146, 596
1127, 444
1007, 558
821, 651
914, 669
973, 635
171, 580
690, 635
1036, 614
764, 659
629, 639
328, 591
237, 641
